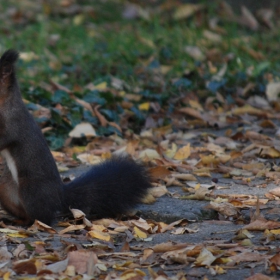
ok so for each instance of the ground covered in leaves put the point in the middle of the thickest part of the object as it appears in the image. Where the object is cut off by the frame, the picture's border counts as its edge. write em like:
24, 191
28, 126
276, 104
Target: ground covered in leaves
190, 90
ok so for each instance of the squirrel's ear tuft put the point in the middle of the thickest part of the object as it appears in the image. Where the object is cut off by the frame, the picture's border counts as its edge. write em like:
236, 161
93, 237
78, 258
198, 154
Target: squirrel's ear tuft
7, 62
9, 57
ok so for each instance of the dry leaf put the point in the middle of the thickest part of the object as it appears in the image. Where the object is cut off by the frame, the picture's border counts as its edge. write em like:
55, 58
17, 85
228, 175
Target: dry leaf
99, 235
139, 233
186, 10
224, 208
42, 227
158, 191
72, 228
183, 153
205, 258
149, 154
82, 130
262, 224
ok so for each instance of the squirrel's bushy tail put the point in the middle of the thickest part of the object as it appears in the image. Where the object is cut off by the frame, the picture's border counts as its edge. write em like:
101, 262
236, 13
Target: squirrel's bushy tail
108, 189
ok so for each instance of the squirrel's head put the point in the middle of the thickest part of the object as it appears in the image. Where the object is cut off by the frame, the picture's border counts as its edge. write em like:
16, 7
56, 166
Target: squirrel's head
7, 72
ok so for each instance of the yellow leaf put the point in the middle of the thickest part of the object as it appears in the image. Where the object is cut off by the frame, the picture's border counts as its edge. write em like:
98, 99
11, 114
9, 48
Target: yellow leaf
171, 152
101, 86
183, 153
100, 235
270, 152
6, 276
144, 106
18, 235
219, 270
132, 274
147, 42
186, 10
139, 233
275, 231
164, 69
39, 265
203, 172
100, 228
119, 266
247, 109
246, 242
210, 160
78, 19
7, 230
195, 104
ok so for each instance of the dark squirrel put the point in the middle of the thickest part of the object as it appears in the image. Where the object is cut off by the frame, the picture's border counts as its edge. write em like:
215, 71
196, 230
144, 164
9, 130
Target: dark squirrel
31, 187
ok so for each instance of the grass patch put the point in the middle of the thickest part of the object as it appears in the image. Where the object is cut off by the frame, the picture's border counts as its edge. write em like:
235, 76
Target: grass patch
93, 42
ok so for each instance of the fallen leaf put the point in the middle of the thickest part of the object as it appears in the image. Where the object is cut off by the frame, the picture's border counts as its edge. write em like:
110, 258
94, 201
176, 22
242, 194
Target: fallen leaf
139, 233
224, 208
72, 228
262, 224
149, 154
205, 258
183, 153
82, 130
186, 10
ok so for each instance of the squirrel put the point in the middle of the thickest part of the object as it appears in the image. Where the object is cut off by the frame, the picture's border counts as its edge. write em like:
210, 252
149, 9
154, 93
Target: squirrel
31, 187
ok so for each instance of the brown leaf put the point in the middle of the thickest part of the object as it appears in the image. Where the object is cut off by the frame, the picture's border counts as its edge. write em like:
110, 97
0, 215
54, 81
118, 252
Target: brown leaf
184, 177
247, 109
191, 112
275, 259
171, 226
168, 246
159, 172
72, 228
275, 191
259, 276
131, 147
266, 16
115, 125
224, 208
248, 19
42, 227
262, 224
25, 267
248, 256
79, 259
100, 117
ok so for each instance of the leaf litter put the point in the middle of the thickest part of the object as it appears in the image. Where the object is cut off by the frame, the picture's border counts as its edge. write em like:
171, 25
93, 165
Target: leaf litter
175, 135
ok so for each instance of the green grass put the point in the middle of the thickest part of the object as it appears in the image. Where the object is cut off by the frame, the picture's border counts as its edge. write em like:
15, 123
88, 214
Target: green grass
94, 46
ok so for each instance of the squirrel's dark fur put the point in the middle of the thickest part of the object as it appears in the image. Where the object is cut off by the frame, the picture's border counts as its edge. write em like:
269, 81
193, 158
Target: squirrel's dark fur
31, 187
